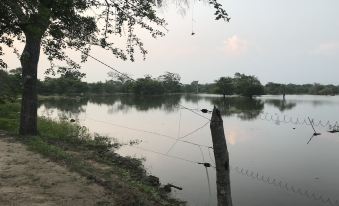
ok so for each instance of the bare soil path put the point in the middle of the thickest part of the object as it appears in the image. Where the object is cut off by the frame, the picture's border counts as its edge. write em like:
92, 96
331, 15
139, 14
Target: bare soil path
27, 178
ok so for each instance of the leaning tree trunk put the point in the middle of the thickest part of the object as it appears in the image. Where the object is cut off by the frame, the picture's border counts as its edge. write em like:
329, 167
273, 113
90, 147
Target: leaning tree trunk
29, 105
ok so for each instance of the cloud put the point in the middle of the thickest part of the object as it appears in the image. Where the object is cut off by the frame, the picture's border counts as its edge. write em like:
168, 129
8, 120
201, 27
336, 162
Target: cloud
326, 49
236, 46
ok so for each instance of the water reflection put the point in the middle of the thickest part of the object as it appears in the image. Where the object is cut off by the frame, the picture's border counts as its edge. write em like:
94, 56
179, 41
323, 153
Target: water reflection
167, 103
282, 105
244, 108
141, 103
66, 107
264, 153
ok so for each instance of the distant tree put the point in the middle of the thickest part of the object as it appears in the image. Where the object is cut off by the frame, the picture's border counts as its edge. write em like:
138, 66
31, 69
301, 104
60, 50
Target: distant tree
57, 25
70, 73
171, 82
247, 86
225, 86
69, 82
122, 78
148, 86
274, 88
195, 86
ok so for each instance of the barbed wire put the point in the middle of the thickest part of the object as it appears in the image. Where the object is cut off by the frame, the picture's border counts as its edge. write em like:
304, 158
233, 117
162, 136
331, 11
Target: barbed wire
285, 186
334, 125
298, 121
192, 110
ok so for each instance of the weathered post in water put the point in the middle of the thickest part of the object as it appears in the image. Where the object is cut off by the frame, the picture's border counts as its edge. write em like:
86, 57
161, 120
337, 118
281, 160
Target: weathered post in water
221, 159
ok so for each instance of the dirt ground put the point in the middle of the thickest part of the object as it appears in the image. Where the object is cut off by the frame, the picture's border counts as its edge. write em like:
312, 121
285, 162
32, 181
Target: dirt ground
26, 178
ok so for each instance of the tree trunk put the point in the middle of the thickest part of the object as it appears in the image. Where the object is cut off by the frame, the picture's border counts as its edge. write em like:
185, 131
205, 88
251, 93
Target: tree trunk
221, 160
29, 105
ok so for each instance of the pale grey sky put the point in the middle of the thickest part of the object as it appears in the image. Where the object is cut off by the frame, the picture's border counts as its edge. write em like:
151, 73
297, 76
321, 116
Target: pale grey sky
288, 41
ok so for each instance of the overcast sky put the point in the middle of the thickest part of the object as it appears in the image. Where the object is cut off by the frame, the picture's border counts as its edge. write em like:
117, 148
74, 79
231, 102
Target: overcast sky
287, 41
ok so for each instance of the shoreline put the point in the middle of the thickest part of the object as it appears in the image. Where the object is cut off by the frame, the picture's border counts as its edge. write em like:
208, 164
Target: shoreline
69, 146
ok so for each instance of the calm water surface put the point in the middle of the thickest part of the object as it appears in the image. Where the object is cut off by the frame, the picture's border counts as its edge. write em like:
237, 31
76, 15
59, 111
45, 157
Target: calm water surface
274, 158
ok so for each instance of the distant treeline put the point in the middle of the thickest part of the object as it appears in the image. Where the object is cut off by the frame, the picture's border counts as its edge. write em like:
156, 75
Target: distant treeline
277, 88
315, 89
70, 83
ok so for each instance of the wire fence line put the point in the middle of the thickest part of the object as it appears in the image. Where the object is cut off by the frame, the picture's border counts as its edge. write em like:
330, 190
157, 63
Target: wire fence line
298, 121
166, 155
151, 132
286, 186
194, 112
331, 124
178, 135
242, 171
283, 185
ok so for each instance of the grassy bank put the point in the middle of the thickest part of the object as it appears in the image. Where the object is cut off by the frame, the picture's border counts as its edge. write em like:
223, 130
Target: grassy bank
92, 156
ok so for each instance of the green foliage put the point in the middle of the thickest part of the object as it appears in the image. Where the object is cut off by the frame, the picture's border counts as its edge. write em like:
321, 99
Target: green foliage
70, 83
62, 130
274, 88
315, 89
225, 86
170, 82
247, 86
148, 86
10, 86
191, 88
62, 86
39, 145
70, 74
241, 84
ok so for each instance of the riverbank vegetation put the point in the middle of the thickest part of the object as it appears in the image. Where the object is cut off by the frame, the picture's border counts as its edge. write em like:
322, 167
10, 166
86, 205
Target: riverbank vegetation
70, 82
92, 156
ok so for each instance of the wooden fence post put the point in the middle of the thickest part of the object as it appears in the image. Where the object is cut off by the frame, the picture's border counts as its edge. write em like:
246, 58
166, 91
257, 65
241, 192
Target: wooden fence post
221, 159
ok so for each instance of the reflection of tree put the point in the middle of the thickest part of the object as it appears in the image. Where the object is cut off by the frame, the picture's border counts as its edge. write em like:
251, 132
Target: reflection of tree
244, 108
107, 100
144, 103
70, 105
192, 98
140, 103
118, 102
282, 105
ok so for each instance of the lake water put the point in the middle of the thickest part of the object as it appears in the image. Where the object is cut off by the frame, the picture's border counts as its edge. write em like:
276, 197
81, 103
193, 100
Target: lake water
274, 158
